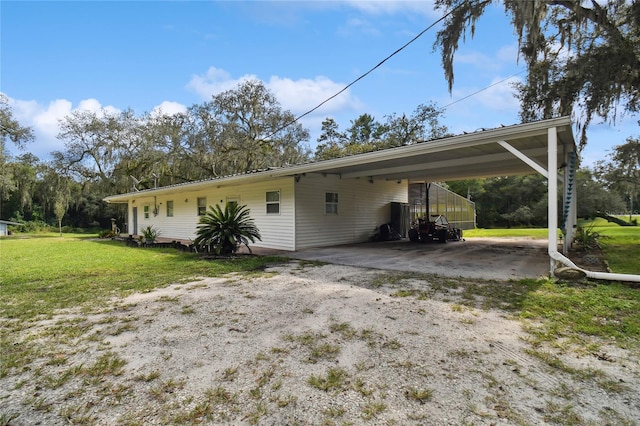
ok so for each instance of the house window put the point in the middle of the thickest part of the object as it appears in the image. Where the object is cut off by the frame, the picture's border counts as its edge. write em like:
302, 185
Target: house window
331, 202
273, 202
169, 208
233, 200
202, 206
146, 211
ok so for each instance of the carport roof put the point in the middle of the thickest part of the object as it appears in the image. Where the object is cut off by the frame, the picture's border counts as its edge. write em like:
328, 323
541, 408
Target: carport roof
483, 153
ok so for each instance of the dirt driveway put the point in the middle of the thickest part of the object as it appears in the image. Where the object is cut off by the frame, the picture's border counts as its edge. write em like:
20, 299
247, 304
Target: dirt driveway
323, 344
483, 258
309, 344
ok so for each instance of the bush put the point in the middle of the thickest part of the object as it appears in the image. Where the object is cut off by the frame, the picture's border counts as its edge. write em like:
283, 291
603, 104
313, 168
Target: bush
32, 226
587, 238
106, 233
150, 234
223, 231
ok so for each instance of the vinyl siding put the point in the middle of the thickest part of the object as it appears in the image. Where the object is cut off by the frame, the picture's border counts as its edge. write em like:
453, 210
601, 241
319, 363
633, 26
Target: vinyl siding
277, 230
302, 221
362, 208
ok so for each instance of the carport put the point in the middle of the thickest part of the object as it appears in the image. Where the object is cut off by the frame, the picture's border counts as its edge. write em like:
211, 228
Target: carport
547, 147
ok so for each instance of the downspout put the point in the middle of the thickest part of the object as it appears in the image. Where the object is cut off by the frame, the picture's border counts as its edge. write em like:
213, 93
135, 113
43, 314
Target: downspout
553, 220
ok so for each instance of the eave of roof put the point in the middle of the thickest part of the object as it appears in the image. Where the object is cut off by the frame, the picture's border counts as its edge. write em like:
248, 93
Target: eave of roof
475, 154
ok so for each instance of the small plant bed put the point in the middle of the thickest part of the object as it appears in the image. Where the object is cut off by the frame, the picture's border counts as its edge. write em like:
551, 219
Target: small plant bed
591, 259
132, 242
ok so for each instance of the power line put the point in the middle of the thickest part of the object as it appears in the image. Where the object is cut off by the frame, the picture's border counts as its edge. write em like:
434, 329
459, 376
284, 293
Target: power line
481, 90
366, 73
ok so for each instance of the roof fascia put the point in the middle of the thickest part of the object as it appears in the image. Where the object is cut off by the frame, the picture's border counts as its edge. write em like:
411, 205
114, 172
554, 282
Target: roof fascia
454, 142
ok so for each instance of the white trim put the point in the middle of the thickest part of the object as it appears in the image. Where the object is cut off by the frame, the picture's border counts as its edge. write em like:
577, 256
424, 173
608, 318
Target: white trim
267, 203
555, 256
535, 166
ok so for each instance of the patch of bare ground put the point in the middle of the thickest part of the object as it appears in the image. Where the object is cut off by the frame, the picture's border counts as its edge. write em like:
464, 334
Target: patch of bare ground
312, 344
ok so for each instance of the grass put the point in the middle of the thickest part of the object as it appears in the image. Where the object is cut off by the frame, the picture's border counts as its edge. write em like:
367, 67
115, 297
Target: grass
419, 395
604, 310
620, 244
334, 380
41, 274
577, 312
537, 233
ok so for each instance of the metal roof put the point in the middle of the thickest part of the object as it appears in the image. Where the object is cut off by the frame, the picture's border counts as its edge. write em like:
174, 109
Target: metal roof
483, 153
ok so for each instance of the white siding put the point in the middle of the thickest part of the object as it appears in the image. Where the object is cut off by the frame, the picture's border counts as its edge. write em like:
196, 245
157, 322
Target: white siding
277, 230
302, 221
362, 208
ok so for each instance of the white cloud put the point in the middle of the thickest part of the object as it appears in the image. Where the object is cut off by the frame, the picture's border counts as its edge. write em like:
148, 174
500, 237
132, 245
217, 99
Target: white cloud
507, 54
297, 96
302, 95
500, 95
215, 81
472, 108
169, 108
387, 7
358, 25
45, 121
478, 60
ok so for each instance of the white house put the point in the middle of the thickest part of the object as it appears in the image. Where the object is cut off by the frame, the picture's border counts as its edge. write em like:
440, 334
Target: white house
291, 212
344, 200
4, 227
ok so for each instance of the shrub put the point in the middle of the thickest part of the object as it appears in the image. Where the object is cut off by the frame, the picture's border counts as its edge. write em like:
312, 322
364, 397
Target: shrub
223, 231
150, 234
106, 233
587, 238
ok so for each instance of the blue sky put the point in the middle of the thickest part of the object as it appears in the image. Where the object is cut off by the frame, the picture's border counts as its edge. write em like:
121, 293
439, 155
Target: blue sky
57, 57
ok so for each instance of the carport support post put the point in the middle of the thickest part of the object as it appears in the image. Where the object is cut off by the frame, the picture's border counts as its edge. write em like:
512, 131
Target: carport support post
552, 213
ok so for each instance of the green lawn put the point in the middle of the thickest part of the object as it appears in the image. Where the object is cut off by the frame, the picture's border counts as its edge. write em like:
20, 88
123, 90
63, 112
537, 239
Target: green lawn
537, 233
620, 244
43, 273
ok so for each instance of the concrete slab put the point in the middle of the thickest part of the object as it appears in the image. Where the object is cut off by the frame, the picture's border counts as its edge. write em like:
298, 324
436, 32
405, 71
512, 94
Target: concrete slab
482, 258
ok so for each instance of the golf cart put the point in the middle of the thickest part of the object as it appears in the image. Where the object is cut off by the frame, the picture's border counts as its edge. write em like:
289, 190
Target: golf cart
437, 228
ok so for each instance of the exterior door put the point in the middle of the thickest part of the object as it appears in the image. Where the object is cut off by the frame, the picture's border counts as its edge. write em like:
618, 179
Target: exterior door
134, 213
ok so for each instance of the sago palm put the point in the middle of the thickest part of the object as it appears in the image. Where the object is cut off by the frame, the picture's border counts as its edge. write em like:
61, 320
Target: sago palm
223, 231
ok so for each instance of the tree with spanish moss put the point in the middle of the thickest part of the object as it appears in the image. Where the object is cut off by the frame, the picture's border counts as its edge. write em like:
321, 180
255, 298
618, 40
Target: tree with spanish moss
582, 57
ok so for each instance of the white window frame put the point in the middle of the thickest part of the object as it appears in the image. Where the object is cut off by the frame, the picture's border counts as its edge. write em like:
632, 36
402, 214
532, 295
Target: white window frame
170, 208
331, 203
201, 209
235, 200
146, 209
270, 203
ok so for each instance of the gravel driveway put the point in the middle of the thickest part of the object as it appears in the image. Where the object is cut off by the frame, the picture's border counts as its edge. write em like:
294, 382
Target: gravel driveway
302, 344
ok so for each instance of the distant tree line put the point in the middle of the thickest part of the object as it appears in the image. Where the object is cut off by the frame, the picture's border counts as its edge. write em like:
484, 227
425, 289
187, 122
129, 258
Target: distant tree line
241, 130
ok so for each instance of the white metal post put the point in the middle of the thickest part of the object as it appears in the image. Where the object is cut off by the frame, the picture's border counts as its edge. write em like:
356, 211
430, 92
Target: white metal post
552, 214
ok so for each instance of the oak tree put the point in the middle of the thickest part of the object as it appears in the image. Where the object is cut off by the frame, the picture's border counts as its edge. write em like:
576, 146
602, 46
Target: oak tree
582, 57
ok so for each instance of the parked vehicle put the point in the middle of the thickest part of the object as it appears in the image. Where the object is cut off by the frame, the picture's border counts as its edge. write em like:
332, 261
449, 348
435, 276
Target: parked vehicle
437, 228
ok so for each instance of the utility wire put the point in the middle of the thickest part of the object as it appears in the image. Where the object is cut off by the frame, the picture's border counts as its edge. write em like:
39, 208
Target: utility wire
366, 73
481, 90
